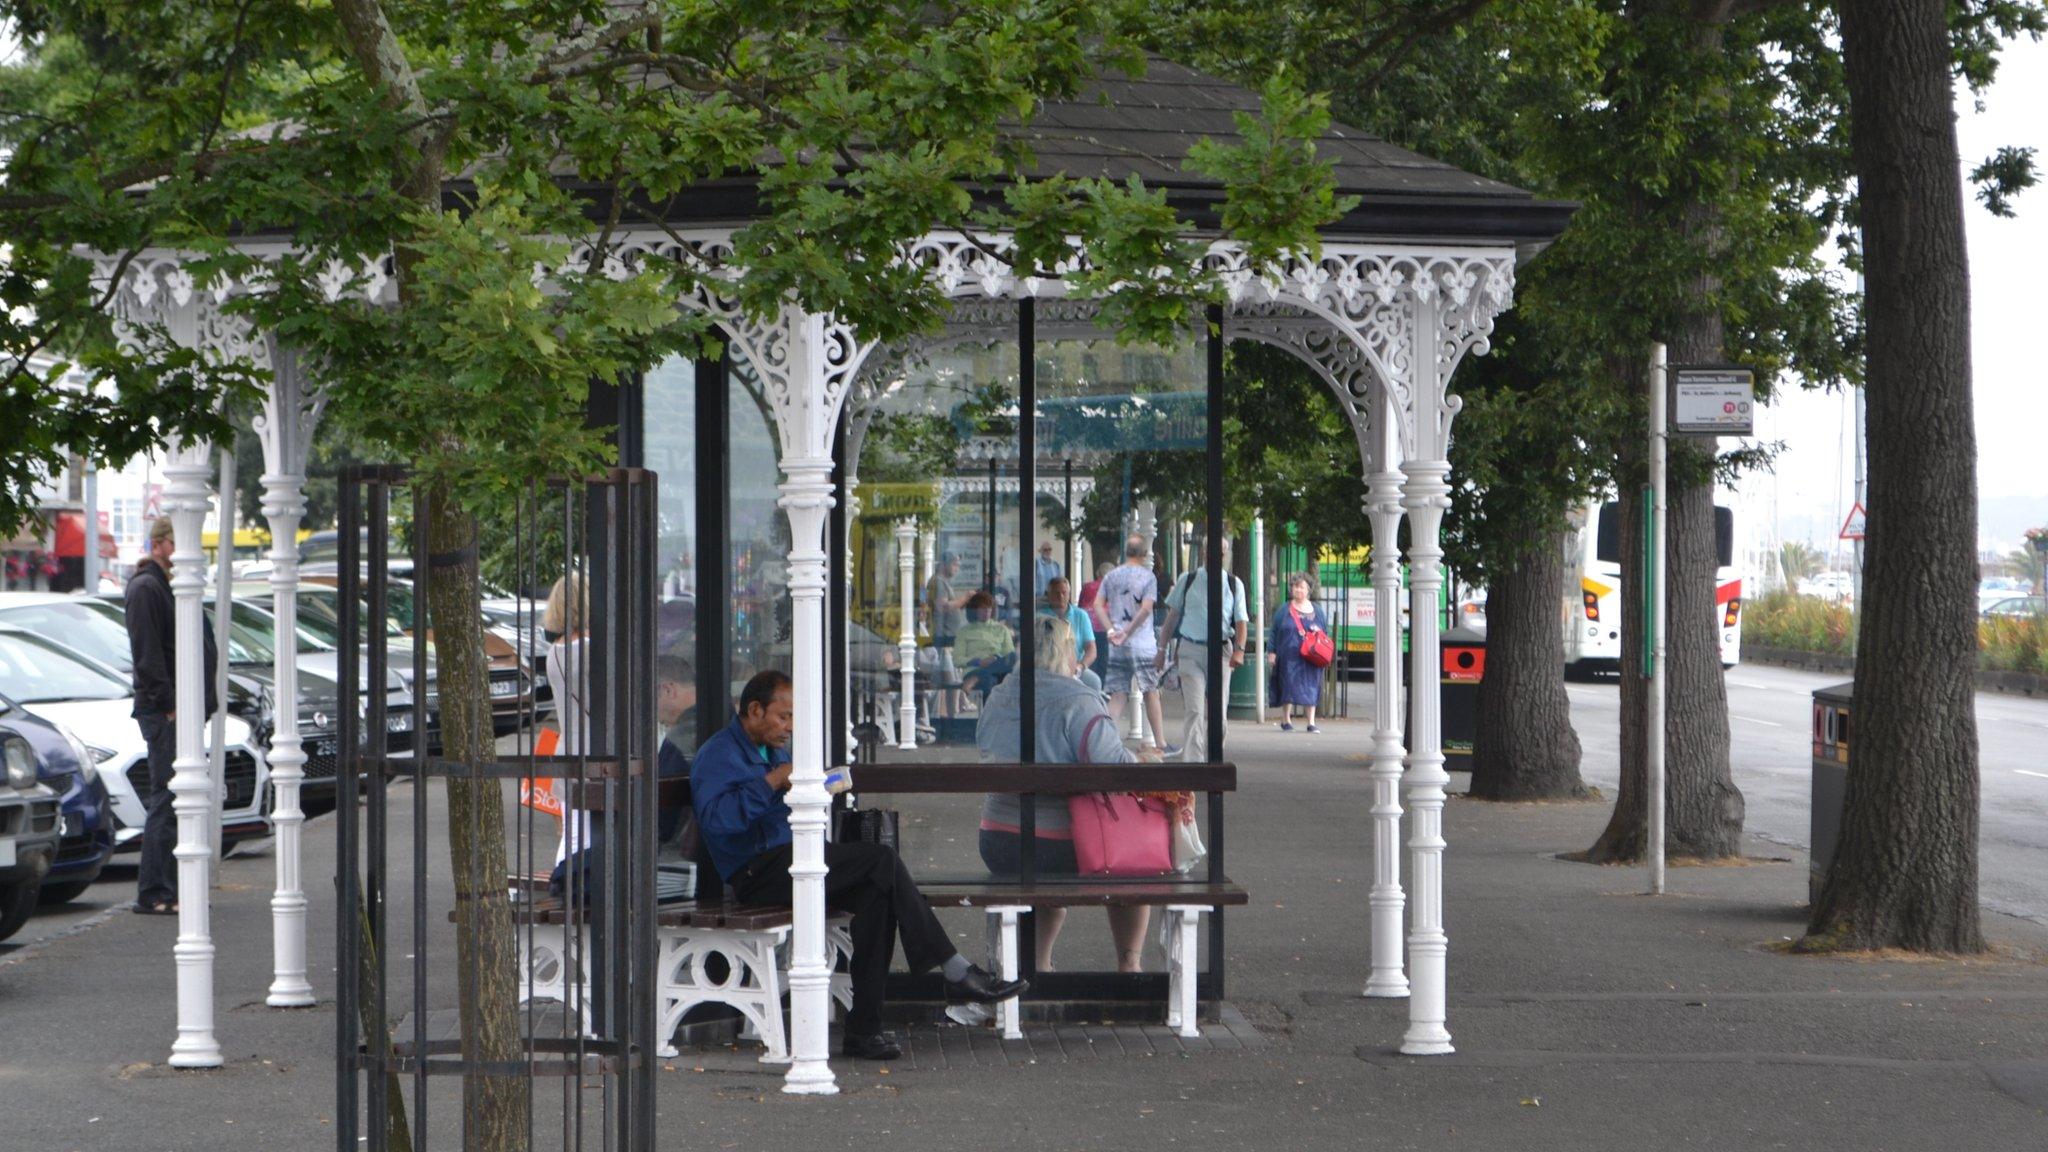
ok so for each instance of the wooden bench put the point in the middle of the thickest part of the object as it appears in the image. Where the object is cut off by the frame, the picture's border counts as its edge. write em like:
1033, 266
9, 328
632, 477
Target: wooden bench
1183, 899
749, 938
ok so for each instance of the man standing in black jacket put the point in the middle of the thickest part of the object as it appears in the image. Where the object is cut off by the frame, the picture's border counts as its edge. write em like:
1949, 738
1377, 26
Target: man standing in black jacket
153, 646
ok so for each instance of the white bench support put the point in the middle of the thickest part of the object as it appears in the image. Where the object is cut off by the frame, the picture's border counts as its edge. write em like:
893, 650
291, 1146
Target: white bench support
753, 983
1009, 1017
1182, 924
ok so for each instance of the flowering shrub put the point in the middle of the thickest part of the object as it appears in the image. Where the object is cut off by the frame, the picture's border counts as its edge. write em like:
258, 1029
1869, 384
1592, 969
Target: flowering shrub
1797, 623
1806, 624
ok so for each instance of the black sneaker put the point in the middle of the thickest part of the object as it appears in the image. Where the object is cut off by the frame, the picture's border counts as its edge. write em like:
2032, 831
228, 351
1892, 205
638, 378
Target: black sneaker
871, 1046
980, 986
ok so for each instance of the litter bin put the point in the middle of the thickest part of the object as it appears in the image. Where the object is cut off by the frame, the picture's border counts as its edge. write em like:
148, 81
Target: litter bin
1463, 665
1830, 780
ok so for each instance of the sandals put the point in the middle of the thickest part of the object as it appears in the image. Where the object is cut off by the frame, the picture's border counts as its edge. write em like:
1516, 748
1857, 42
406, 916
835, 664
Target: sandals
155, 908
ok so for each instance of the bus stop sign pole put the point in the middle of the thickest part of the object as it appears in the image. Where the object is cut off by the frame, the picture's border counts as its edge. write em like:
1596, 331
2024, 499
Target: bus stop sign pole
1653, 628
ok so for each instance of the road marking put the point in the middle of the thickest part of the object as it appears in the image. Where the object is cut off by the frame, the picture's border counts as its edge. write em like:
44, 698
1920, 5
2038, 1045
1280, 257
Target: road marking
1765, 723
2024, 772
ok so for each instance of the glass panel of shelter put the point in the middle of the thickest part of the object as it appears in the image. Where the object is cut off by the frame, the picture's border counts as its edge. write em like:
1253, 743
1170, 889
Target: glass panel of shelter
1119, 445
937, 432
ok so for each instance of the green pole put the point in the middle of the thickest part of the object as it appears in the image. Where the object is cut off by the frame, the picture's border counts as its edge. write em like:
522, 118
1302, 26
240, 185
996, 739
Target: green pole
1649, 582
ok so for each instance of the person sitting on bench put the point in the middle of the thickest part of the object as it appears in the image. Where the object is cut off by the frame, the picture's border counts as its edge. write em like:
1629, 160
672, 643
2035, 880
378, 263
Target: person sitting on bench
984, 648
736, 786
1071, 727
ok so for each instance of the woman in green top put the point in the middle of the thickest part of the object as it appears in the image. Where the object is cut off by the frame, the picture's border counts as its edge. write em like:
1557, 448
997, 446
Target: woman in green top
983, 648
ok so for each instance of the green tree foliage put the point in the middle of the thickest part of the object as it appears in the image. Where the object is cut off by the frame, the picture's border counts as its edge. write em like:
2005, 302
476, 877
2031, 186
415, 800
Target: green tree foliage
470, 145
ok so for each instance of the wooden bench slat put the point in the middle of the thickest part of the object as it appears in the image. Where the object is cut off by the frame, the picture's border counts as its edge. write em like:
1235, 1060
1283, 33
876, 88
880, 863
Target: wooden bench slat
1086, 895
1043, 779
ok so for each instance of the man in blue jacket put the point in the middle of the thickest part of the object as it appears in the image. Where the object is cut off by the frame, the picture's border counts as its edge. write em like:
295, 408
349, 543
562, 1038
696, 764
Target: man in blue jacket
736, 786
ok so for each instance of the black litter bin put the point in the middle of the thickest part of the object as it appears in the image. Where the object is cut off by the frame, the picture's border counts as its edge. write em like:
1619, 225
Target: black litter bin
1463, 664
1830, 780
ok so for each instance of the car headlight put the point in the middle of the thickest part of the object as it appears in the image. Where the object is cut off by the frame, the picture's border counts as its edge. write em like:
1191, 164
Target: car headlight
21, 762
88, 757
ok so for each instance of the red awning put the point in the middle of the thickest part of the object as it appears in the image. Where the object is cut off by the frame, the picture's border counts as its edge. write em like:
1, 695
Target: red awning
71, 536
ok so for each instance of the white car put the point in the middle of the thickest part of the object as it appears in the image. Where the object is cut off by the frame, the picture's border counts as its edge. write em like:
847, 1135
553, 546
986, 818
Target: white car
95, 702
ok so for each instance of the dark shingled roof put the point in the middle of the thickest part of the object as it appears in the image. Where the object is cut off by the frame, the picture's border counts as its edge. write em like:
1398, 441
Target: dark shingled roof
1145, 125
1122, 126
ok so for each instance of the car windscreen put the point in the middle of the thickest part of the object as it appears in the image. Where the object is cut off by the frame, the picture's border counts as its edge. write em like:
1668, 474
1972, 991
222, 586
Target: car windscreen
91, 627
33, 671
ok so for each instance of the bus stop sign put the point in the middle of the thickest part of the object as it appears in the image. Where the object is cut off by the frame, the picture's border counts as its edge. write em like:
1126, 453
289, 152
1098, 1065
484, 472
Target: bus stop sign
1713, 400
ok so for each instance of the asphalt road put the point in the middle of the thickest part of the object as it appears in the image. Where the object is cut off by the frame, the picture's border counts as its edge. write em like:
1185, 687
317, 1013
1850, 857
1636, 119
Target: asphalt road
1770, 721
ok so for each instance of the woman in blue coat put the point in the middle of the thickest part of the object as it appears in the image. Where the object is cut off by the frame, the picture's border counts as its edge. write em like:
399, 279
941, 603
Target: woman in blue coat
1294, 682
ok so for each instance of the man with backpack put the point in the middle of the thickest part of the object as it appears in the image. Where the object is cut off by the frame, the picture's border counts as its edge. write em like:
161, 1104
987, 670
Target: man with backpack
1191, 627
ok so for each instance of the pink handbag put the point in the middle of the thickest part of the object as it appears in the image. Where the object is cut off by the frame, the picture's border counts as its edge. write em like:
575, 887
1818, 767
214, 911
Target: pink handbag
1118, 834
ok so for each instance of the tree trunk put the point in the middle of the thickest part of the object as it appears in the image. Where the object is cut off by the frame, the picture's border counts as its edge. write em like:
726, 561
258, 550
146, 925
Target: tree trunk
1905, 870
494, 1107
1525, 747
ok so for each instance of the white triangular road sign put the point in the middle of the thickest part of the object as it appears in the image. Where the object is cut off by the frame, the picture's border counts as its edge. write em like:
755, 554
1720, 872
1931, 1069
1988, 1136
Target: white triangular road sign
1852, 528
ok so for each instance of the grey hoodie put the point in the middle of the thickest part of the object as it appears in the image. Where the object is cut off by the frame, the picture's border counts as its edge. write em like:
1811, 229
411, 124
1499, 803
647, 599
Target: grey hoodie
1065, 706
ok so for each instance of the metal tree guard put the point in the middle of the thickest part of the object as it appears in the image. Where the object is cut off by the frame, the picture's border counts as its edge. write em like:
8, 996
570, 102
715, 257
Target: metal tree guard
594, 939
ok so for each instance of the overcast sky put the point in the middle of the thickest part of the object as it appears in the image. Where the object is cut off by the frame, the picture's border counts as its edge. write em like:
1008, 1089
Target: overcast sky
1809, 496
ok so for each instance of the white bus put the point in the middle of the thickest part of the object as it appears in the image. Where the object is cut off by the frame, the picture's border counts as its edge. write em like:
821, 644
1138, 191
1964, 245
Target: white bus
1592, 590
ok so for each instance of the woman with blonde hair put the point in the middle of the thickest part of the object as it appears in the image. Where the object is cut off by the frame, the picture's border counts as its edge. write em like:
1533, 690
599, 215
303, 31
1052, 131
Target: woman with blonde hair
1072, 727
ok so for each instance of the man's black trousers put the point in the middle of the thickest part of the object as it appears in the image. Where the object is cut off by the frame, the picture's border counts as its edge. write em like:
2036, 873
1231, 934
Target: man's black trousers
869, 881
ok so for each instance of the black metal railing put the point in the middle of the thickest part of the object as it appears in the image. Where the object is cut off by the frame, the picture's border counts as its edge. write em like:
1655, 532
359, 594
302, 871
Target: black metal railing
566, 1059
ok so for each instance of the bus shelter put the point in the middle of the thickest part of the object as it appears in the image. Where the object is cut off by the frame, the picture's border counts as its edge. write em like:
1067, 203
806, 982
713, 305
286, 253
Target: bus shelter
757, 452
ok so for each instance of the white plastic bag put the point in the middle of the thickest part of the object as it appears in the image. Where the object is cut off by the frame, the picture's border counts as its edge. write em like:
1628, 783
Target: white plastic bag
1188, 849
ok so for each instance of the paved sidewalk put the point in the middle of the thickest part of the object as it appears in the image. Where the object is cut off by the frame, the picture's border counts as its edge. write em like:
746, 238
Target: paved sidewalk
1586, 1015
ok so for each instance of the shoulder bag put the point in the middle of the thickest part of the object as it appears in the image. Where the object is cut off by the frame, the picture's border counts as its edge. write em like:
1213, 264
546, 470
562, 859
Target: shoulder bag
1317, 649
1117, 833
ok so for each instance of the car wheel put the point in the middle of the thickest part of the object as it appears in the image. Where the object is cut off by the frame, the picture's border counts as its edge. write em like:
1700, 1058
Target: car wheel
63, 893
17, 904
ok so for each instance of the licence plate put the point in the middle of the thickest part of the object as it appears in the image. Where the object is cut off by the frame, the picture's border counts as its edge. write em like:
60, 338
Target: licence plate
504, 687
400, 721
6, 853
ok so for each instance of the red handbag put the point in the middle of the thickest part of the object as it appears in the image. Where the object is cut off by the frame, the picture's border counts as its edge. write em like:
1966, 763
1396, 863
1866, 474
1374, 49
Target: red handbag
1316, 646
1118, 834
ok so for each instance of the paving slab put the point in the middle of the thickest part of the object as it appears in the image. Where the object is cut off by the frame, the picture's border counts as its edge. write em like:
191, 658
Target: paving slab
1586, 1016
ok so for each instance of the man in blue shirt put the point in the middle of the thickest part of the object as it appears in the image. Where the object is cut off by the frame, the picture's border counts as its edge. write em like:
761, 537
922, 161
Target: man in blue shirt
736, 786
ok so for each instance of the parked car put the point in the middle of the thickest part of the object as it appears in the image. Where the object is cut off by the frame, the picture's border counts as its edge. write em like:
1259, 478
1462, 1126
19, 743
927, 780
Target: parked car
511, 684
66, 768
96, 627
95, 701
29, 833
2018, 606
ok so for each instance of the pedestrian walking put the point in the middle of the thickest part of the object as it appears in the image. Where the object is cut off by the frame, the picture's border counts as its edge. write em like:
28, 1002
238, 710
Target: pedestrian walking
153, 653
1191, 627
1295, 683
1129, 594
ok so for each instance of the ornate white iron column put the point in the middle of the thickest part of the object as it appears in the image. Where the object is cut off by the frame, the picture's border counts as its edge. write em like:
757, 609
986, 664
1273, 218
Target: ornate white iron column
1426, 494
906, 641
807, 362
1383, 507
286, 427
186, 472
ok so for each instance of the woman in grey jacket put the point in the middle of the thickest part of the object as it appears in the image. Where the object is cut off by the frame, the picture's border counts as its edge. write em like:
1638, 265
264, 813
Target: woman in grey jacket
1071, 727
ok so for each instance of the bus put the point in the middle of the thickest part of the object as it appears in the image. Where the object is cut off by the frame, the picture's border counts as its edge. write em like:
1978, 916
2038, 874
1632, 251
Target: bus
1593, 580
1344, 589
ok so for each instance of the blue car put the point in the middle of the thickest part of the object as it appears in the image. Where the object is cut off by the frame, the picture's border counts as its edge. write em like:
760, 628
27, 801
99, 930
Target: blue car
66, 768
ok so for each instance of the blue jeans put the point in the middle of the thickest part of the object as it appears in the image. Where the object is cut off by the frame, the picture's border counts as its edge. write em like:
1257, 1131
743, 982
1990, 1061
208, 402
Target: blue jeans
156, 874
